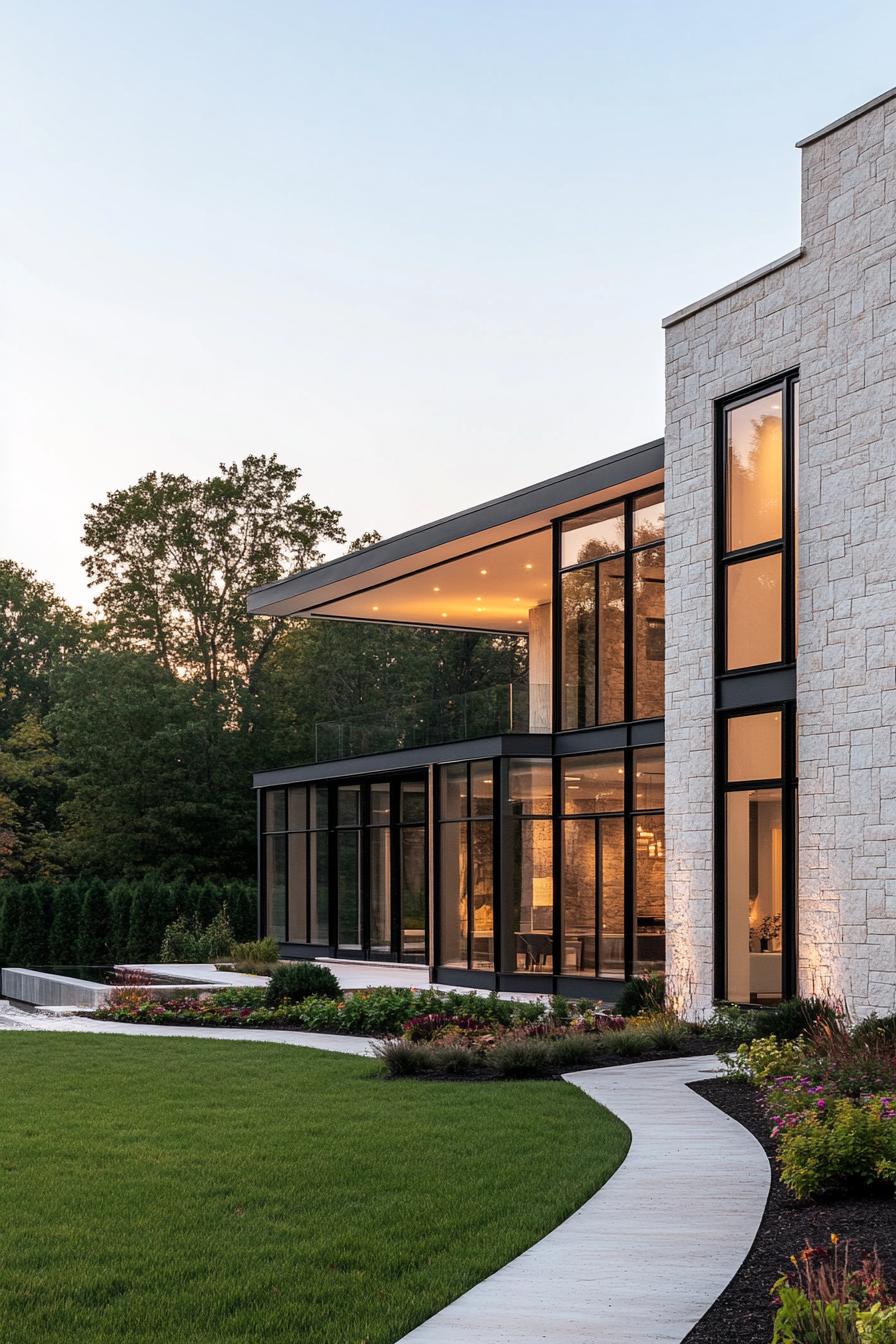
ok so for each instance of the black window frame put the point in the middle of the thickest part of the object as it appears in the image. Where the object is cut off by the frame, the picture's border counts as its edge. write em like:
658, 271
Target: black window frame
785, 546
759, 688
466, 820
788, 783
629, 502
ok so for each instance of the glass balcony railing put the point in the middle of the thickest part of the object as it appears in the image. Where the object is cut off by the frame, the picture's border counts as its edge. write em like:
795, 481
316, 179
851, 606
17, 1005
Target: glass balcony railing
513, 707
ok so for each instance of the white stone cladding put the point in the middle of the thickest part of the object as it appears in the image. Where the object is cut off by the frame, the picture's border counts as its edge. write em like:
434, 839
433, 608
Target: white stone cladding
831, 311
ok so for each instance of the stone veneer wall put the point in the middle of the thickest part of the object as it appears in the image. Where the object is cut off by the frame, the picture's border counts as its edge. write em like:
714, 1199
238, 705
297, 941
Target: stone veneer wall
832, 312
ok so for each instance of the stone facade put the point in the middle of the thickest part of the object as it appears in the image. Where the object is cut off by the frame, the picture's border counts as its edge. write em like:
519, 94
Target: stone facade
830, 310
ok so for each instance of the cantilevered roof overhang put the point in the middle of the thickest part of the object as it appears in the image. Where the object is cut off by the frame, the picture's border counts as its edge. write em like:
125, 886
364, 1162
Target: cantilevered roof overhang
430, 575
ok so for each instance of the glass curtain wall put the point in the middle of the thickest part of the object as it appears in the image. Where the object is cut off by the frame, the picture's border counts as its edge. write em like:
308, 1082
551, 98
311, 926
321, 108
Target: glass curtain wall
528, 919
612, 862
411, 844
296, 886
467, 866
612, 613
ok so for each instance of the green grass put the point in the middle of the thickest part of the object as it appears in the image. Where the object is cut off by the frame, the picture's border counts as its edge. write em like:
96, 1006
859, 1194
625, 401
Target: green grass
196, 1191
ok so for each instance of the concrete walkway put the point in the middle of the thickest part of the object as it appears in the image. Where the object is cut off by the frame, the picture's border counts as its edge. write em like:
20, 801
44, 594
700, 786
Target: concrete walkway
645, 1257
17, 1019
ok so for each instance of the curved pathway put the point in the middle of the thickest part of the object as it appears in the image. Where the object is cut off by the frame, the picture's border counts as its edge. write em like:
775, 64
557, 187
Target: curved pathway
645, 1257
17, 1019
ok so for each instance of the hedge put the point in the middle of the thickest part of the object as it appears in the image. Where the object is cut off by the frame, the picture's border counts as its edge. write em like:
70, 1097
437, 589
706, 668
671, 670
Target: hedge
92, 922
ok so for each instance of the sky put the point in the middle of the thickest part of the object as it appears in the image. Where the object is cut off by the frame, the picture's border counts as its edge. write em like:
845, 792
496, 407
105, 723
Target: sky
420, 250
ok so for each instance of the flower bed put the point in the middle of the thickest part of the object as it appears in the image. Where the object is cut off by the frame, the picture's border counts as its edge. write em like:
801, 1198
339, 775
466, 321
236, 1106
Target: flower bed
822, 1105
435, 1033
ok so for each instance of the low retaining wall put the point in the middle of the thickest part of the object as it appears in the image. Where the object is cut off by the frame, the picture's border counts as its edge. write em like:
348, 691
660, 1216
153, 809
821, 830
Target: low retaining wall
43, 989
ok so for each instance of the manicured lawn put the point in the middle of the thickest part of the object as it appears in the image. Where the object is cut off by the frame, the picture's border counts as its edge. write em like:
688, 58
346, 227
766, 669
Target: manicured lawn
179, 1191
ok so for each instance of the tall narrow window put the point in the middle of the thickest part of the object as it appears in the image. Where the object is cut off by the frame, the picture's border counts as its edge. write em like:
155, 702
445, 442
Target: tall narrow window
528, 919
755, 547
592, 841
467, 866
755, 780
754, 857
611, 667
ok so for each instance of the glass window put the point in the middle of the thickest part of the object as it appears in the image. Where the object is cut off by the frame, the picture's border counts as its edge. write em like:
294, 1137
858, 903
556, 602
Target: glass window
319, 807
649, 765
275, 885
297, 920
348, 855
755, 473
529, 787
380, 891
453, 893
578, 896
753, 612
754, 747
413, 800
348, 805
649, 518
530, 931
753, 894
611, 897
592, 536
482, 779
611, 641
413, 893
594, 783
320, 888
275, 810
379, 804
298, 808
482, 853
650, 895
649, 593
454, 791
578, 649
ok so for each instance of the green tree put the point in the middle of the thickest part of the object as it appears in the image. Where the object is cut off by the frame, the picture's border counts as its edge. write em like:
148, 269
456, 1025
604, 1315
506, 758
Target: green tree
28, 936
95, 927
65, 925
149, 786
31, 785
173, 559
38, 633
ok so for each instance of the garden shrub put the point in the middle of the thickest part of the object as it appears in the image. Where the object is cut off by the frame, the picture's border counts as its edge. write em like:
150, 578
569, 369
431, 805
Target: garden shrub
190, 942
731, 1025
240, 996
876, 1031
662, 1031
642, 994
762, 1060
792, 1018
827, 1299
300, 980
845, 1147
628, 1043
521, 1058
95, 926
261, 952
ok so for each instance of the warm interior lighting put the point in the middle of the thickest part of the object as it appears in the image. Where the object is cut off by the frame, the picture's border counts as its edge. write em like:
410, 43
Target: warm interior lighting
483, 571
437, 589
528, 566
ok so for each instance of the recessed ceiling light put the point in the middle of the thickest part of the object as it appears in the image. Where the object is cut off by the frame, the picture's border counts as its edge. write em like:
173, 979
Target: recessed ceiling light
376, 608
444, 613
483, 571
528, 566
519, 622
437, 590
516, 599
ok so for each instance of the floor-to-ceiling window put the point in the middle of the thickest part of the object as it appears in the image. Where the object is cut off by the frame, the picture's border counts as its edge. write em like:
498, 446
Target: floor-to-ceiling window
296, 864
466, 888
612, 863
755, 652
527, 920
347, 860
611, 633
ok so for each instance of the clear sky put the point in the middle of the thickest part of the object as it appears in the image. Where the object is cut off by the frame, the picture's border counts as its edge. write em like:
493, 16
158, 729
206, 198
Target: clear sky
421, 250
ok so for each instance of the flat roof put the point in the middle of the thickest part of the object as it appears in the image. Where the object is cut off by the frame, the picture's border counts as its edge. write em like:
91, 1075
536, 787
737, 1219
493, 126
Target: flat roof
496, 521
846, 118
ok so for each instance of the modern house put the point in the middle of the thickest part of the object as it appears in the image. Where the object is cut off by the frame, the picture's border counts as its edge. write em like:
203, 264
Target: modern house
701, 773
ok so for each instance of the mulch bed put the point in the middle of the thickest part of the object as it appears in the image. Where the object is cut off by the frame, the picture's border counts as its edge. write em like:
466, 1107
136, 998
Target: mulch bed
745, 1312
